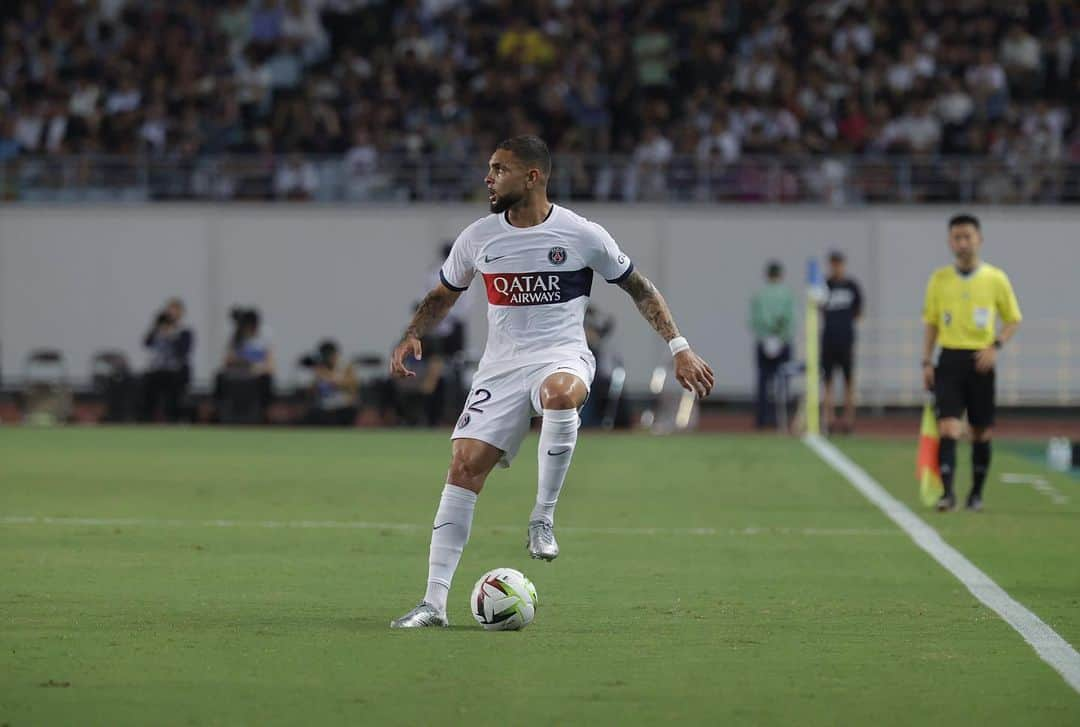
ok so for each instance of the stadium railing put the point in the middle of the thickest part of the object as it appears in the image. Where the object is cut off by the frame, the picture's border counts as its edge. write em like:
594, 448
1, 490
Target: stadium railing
831, 180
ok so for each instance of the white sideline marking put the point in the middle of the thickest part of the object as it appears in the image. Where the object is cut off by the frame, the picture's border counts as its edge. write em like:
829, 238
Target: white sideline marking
1040, 483
1051, 648
410, 527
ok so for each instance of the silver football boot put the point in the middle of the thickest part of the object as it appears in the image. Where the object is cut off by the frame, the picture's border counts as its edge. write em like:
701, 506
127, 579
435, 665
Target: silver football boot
541, 543
423, 616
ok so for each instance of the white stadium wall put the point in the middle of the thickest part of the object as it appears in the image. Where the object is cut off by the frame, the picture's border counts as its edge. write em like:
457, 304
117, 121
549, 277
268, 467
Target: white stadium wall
84, 279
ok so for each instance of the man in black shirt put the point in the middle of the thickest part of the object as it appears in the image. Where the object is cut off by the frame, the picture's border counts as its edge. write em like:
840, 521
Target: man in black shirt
842, 307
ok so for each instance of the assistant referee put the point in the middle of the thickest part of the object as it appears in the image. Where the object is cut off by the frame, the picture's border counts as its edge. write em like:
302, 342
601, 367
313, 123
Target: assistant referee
963, 303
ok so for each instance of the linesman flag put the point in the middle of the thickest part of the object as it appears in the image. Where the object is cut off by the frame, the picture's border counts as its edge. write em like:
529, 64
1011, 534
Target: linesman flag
927, 471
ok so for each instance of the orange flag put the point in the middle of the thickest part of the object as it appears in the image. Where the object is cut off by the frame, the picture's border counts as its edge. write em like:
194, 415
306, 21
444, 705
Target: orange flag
926, 463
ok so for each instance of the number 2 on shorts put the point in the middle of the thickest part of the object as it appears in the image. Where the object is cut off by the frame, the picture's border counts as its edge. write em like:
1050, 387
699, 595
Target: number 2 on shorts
478, 397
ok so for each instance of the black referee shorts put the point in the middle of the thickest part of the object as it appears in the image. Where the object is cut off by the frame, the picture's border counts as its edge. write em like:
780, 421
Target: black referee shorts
958, 387
837, 356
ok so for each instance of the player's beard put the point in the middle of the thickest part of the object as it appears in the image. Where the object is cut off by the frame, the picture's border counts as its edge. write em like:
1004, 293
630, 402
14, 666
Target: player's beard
503, 202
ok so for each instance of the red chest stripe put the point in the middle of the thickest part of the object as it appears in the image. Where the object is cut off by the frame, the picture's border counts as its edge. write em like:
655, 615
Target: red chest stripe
544, 288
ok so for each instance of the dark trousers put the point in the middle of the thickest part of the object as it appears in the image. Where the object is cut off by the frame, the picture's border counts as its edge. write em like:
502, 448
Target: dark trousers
242, 398
768, 369
166, 389
341, 417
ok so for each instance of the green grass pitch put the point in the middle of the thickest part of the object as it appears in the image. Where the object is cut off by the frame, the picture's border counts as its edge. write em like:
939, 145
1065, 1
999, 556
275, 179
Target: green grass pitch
206, 577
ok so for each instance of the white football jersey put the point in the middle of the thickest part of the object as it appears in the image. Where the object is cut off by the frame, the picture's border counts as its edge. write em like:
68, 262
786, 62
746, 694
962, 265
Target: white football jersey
538, 281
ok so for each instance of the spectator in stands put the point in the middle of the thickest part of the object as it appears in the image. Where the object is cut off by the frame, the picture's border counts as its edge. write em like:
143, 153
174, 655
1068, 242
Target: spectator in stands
523, 45
266, 22
651, 159
988, 84
921, 130
9, 145
125, 77
296, 179
772, 322
361, 164
1021, 57
334, 391
165, 383
302, 27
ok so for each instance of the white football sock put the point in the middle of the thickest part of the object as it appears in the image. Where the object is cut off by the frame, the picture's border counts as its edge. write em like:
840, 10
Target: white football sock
558, 437
450, 532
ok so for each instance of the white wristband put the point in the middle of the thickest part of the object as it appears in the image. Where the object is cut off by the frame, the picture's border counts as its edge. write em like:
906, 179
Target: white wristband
678, 345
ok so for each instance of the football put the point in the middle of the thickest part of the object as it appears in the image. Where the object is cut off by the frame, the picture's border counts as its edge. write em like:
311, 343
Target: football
503, 600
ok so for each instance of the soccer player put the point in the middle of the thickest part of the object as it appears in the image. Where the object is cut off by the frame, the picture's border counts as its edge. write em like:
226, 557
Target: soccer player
963, 303
842, 307
537, 261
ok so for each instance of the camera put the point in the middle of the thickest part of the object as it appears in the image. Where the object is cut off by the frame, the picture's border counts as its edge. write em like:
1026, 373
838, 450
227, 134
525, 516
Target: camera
321, 356
244, 316
241, 314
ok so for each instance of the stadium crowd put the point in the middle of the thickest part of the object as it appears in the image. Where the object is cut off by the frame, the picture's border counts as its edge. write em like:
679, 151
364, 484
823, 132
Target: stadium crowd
717, 82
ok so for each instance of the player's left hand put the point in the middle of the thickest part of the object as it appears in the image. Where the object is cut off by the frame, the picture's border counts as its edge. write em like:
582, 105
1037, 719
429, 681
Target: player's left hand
985, 359
693, 373
409, 346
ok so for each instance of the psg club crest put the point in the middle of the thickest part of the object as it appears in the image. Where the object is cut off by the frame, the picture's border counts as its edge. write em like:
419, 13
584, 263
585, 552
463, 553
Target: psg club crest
557, 256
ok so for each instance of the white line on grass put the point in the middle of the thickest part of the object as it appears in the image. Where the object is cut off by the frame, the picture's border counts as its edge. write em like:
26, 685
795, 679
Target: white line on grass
1054, 650
413, 527
1040, 483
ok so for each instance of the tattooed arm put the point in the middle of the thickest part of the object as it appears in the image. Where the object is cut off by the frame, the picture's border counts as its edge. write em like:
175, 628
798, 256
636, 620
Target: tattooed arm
690, 369
432, 309
652, 305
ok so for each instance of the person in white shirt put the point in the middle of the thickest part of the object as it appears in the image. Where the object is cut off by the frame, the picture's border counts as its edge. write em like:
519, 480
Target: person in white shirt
651, 159
921, 129
1020, 54
986, 77
296, 178
536, 260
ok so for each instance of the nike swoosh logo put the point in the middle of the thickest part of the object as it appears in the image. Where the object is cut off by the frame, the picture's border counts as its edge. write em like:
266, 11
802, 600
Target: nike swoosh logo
441, 526
553, 453
489, 259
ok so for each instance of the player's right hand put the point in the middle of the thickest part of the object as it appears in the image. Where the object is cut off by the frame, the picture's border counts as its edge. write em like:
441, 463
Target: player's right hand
928, 377
693, 373
409, 346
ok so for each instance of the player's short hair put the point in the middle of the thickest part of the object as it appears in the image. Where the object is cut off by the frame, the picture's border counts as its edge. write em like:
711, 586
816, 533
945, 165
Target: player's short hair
530, 149
964, 218
774, 269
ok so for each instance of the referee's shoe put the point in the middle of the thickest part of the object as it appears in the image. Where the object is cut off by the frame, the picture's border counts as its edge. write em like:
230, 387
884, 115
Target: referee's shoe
947, 503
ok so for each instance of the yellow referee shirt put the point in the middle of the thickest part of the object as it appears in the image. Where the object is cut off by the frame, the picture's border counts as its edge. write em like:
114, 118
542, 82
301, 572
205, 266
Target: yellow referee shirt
965, 307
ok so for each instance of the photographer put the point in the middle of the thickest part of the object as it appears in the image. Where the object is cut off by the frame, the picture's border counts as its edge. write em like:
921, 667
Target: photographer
166, 380
598, 328
244, 387
334, 390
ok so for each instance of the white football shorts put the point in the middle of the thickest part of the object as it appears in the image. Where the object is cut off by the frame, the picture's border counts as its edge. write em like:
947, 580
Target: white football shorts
502, 403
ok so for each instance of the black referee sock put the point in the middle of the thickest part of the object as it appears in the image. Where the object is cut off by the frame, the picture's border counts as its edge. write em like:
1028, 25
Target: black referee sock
980, 465
947, 462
